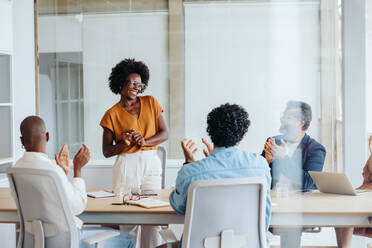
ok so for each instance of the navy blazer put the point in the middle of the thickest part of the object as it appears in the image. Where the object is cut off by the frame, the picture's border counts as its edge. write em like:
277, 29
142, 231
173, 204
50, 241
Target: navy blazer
308, 156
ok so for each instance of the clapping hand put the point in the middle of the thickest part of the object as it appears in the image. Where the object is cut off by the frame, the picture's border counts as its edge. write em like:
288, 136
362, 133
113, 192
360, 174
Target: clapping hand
189, 150
82, 157
139, 139
80, 160
274, 151
280, 151
128, 137
63, 160
268, 148
209, 148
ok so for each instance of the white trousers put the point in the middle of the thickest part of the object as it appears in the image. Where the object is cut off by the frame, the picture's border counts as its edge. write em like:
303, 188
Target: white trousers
140, 168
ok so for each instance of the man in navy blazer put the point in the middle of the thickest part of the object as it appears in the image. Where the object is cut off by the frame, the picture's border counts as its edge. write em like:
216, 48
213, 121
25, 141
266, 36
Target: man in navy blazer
291, 156
294, 153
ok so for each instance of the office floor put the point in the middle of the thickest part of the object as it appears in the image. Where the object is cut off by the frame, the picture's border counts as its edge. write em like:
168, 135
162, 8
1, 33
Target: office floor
325, 239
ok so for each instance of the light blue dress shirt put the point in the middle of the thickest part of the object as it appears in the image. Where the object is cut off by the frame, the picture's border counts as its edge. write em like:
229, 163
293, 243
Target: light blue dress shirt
230, 162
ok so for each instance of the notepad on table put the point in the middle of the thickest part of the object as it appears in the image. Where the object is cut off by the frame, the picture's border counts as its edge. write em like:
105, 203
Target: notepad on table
100, 194
149, 203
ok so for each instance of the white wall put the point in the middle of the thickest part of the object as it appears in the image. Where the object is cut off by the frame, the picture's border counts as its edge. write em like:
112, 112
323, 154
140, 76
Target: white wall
6, 42
368, 65
23, 66
258, 55
7, 231
355, 141
108, 39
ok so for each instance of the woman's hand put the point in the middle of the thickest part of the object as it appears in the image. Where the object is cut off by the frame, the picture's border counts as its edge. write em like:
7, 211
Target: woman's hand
139, 139
128, 137
188, 150
110, 149
370, 144
63, 160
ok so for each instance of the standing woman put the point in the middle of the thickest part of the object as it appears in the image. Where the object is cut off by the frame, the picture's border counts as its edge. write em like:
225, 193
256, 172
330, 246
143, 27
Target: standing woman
132, 129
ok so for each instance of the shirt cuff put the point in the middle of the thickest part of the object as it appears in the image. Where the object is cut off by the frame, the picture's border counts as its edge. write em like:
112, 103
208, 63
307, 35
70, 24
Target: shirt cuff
79, 183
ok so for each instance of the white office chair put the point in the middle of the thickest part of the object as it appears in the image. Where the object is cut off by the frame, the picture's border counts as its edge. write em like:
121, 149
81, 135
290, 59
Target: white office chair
162, 153
225, 213
45, 217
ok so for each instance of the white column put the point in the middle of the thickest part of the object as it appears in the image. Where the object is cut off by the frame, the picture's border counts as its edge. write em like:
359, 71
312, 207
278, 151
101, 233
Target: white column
23, 66
354, 94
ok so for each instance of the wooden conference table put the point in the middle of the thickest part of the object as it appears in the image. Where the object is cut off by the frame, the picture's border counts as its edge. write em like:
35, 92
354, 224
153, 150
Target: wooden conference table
316, 209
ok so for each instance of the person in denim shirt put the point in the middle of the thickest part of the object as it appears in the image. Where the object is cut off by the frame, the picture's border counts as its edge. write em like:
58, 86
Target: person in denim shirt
226, 126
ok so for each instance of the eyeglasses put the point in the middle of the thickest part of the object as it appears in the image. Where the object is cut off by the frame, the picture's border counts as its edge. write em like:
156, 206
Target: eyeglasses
290, 115
131, 197
136, 84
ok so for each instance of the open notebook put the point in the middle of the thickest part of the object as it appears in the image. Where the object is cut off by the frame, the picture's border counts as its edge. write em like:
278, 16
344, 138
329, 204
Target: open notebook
149, 203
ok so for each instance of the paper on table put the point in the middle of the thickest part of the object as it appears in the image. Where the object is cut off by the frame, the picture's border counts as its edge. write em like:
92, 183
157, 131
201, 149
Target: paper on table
149, 203
100, 194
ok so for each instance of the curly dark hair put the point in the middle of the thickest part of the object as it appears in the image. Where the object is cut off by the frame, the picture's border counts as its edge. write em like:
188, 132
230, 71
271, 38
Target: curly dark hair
123, 69
227, 124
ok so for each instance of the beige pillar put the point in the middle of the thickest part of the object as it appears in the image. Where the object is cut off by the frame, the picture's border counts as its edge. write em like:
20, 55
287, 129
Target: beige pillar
176, 76
331, 82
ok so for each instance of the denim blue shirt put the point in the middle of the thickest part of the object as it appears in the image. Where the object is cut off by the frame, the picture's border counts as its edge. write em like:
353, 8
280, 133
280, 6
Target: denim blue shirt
230, 162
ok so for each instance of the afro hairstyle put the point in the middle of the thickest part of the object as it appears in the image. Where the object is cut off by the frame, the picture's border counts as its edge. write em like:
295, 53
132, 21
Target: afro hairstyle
123, 69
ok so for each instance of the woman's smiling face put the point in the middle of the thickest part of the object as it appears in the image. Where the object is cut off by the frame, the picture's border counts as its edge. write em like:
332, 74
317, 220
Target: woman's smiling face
132, 86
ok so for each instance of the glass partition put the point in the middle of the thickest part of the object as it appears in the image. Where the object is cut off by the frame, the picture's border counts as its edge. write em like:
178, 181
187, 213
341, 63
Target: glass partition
259, 54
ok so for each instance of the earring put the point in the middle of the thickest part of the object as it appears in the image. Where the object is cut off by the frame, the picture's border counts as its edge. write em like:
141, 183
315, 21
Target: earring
23, 147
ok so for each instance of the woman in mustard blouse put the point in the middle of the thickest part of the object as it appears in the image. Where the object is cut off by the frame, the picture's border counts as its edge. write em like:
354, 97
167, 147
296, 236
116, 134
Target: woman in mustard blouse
133, 128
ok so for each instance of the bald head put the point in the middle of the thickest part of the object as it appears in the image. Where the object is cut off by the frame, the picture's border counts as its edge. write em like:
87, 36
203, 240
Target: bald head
34, 135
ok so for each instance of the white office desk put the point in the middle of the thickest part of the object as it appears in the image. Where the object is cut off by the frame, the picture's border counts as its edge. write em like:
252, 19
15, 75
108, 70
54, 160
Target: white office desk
314, 209
319, 209
102, 211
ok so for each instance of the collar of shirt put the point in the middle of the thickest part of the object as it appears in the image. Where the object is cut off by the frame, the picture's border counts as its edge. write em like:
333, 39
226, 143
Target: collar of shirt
33, 155
223, 149
291, 148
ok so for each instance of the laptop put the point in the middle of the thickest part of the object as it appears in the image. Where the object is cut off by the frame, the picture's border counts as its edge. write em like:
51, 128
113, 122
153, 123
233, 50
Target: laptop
334, 183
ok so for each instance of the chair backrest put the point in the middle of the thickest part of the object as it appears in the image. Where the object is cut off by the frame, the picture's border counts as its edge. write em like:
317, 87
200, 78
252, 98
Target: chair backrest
162, 154
40, 198
225, 213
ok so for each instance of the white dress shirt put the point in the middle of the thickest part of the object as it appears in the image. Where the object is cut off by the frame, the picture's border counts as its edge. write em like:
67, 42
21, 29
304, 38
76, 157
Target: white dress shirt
291, 148
75, 190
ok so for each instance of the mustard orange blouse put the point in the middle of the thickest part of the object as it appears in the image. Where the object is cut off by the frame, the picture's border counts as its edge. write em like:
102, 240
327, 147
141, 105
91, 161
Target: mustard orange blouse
118, 120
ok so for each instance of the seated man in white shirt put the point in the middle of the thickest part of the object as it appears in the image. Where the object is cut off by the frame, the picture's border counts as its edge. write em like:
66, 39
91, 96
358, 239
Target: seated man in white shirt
34, 139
